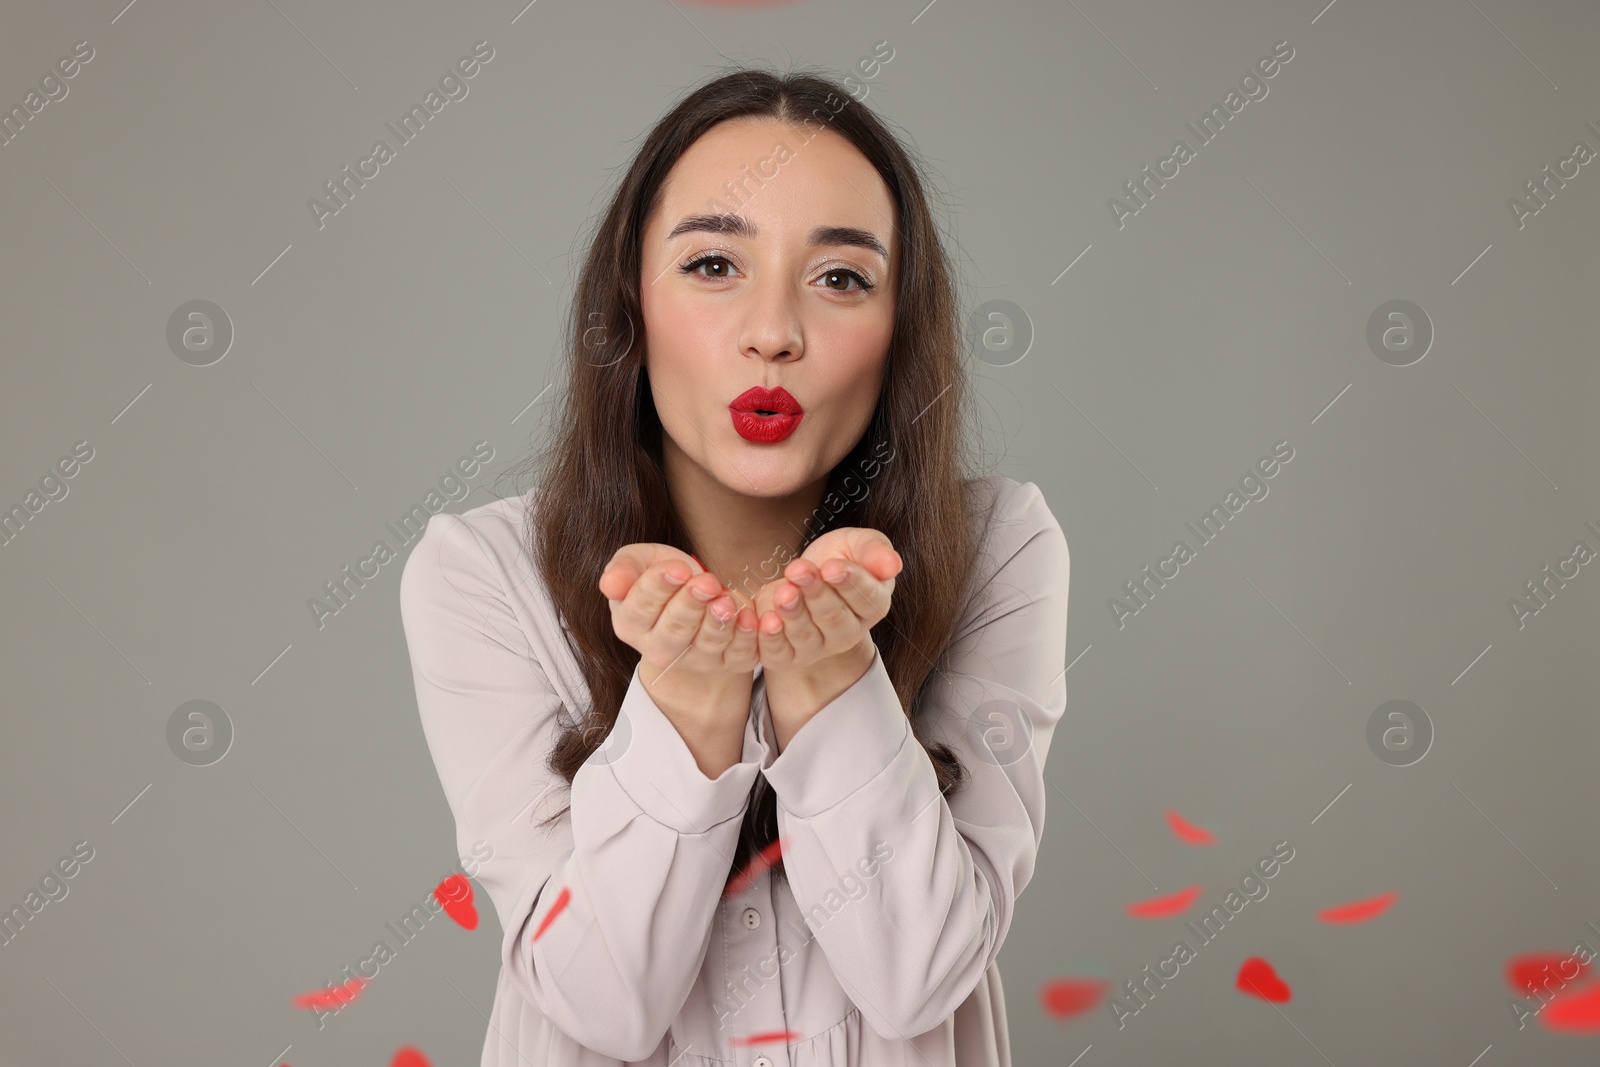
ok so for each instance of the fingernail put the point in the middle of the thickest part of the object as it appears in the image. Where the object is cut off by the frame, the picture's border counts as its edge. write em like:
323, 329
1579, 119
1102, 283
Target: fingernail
672, 577
806, 579
839, 578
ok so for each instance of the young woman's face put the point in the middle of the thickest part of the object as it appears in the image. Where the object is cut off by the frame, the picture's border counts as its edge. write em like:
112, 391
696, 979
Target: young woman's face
779, 303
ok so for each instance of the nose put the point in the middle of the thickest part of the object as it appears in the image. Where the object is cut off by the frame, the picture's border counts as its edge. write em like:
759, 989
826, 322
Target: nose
771, 330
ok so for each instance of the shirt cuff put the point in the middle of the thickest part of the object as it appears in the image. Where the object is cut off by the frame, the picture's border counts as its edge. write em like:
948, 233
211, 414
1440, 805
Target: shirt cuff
655, 768
841, 748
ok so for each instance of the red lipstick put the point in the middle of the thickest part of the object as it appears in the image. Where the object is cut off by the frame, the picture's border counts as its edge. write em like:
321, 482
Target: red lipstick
765, 416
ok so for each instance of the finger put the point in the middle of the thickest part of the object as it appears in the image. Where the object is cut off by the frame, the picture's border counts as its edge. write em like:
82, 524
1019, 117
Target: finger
744, 649
831, 615
798, 625
630, 562
882, 560
658, 604
717, 626
776, 649
864, 545
867, 596
619, 575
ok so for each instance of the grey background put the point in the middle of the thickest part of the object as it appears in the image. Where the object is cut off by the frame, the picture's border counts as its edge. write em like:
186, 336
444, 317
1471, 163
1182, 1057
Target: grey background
1228, 315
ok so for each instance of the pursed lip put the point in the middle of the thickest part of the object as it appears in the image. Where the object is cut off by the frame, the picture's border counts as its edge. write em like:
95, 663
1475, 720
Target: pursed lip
757, 398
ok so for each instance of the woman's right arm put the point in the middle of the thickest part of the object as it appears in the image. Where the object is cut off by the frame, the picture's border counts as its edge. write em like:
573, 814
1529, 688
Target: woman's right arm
606, 914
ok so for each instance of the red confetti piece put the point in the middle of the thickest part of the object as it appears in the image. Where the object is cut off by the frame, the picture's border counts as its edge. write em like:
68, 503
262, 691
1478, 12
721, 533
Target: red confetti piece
765, 860
409, 1057
454, 895
1163, 907
1257, 978
1188, 832
1526, 973
1358, 911
786, 1036
556, 909
1062, 998
335, 998
1577, 1011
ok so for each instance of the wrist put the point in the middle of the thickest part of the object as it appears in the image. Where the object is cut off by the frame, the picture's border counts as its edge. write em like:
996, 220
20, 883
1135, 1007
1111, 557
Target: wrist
794, 697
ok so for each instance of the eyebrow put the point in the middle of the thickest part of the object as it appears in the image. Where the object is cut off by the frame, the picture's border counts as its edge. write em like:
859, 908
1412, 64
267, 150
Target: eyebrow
740, 226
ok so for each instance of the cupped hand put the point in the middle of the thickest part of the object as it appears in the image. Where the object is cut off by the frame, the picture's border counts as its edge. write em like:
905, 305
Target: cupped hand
689, 625
828, 600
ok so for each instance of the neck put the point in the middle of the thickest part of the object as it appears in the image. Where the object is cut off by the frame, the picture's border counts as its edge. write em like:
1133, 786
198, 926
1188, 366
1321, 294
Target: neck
745, 540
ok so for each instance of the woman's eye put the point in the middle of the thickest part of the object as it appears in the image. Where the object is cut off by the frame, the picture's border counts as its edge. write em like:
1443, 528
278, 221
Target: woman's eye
862, 285
695, 265
837, 274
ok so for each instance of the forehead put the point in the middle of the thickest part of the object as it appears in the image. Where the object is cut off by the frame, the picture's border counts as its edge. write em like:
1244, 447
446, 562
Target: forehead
786, 179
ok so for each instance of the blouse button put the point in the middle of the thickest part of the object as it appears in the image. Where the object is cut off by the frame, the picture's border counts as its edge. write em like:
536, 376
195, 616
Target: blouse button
752, 919
762, 1061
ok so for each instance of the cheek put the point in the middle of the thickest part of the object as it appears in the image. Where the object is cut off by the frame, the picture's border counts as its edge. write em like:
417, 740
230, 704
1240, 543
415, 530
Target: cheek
861, 353
682, 335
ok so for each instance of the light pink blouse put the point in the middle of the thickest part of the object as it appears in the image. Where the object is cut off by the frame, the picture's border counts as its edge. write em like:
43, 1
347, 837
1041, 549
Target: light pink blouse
880, 950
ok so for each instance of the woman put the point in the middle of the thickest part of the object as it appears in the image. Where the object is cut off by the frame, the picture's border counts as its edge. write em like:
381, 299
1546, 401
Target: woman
792, 835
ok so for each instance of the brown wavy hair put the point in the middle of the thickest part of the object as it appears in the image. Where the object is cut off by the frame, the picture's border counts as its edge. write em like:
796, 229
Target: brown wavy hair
602, 480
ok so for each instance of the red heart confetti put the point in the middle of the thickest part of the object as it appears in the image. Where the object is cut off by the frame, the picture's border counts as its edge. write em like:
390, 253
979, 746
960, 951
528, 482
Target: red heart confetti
1358, 911
1527, 973
331, 997
767, 858
1257, 978
555, 909
1064, 998
1163, 907
1577, 1011
409, 1057
454, 894
1188, 832
786, 1036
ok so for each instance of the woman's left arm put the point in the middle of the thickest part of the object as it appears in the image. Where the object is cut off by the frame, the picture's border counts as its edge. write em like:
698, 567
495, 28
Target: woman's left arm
857, 792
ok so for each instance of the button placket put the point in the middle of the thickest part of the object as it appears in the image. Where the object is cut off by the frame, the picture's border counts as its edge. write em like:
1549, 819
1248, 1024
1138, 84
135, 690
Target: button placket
756, 959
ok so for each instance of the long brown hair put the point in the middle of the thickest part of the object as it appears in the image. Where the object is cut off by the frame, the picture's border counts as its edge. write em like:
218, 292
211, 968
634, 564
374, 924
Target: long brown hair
602, 481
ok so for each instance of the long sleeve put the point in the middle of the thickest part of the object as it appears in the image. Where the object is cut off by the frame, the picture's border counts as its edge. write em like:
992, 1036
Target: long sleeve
630, 878
855, 786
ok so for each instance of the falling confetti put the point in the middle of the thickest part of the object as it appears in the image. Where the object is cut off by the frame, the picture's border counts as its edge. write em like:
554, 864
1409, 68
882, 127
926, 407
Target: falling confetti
1358, 911
1064, 998
454, 895
786, 1036
555, 909
1527, 973
754, 869
335, 998
1188, 832
1257, 978
1164, 907
409, 1057
1575, 1011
